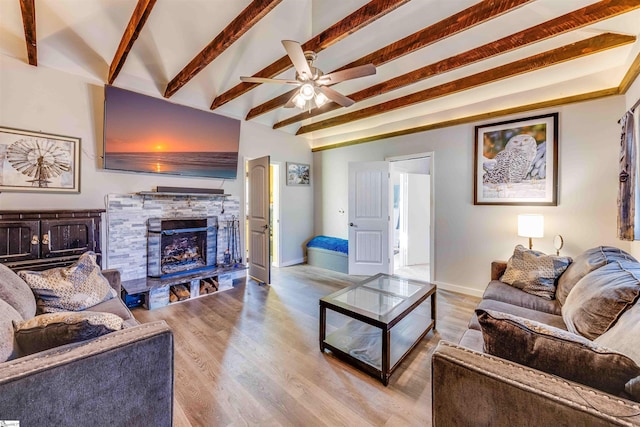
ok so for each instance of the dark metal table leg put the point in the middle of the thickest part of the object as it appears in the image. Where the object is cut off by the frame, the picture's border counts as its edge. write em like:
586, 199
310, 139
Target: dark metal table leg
323, 326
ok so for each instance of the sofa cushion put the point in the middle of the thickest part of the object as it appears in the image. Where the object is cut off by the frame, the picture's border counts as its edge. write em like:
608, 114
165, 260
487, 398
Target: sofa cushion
8, 315
73, 288
633, 389
472, 339
16, 293
55, 329
500, 291
586, 262
555, 351
539, 316
598, 300
117, 307
534, 272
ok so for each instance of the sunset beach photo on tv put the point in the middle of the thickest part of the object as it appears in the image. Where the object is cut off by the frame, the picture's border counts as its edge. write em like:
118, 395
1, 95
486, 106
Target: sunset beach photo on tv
151, 135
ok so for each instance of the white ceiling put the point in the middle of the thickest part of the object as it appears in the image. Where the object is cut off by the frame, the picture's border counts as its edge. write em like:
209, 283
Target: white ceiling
81, 37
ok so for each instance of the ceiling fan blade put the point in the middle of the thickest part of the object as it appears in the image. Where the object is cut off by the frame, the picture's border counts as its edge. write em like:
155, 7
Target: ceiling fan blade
348, 74
336, 96
265, 80
294, 50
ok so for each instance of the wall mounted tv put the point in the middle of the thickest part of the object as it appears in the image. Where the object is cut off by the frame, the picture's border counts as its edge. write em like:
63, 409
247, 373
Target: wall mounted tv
146, 134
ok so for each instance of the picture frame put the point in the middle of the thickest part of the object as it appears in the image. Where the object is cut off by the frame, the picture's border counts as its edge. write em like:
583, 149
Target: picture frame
39, 162
516, 162
298, 173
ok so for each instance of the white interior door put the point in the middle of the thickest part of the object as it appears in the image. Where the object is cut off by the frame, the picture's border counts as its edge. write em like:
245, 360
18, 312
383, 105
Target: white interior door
258, 219
369, 220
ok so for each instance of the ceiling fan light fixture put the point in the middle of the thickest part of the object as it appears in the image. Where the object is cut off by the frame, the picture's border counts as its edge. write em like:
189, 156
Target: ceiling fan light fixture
299, 101
321, 99
307, 91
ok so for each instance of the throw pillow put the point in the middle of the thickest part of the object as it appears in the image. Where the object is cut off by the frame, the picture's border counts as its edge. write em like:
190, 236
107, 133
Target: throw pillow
624, 336
15, 292
51, 330
586, 262
555, 351
8, 315
598, 300
534, 272
72, 288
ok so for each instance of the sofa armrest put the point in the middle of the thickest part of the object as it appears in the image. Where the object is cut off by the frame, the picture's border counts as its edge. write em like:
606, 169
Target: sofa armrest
504, 393
113, 276
122, 378
497, 269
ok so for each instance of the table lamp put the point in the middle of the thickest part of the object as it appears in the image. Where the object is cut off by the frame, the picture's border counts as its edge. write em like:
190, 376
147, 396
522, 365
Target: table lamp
531, 225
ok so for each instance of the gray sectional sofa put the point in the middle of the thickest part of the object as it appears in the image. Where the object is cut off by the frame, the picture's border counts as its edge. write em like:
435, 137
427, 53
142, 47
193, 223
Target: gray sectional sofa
123, 378
500, 378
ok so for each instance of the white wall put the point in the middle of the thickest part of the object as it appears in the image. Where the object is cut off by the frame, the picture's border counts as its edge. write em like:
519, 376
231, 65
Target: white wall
468, 237
47, 100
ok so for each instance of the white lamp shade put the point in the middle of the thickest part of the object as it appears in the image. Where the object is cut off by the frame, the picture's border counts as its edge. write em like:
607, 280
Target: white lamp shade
531, 225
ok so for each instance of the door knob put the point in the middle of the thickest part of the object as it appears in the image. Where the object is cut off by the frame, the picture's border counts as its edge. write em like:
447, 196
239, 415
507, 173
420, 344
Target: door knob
352, 225
266, 226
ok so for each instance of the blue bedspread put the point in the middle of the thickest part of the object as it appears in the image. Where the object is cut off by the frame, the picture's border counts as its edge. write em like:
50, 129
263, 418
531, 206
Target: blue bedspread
329, 243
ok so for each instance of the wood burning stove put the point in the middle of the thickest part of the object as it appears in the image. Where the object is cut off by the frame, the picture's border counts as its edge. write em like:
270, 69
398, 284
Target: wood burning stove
181, 245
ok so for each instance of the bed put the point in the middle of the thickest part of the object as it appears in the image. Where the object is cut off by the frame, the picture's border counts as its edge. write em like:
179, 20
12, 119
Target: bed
327, 252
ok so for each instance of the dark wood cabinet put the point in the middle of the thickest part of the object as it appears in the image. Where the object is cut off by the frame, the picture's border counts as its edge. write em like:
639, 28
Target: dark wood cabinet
37, 240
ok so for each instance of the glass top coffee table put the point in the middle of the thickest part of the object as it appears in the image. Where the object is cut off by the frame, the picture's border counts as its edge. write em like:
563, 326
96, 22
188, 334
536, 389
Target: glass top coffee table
378, 322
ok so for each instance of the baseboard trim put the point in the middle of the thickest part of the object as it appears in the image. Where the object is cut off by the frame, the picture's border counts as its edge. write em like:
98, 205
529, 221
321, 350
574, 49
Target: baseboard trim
460, 289
292, 262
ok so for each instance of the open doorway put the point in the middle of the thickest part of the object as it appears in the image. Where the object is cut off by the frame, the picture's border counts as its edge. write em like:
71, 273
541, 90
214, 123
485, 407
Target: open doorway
412, 216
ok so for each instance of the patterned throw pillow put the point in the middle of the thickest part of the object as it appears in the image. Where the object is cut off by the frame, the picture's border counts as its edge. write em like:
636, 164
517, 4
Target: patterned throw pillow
72, 288
55, 329
555, 351
534, 272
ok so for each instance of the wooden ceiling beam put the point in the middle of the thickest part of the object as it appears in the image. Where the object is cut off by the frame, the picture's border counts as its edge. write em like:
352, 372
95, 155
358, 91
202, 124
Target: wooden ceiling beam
536, 62
571, 21
362, 17
475, 118
131, 33
28, 9
631, 75
242, 23
454, 24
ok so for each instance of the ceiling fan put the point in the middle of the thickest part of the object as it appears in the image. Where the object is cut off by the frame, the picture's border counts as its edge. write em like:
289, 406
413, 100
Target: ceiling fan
314, 90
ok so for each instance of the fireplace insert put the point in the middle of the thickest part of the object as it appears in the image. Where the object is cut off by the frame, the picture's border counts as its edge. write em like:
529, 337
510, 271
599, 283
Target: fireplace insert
181, 245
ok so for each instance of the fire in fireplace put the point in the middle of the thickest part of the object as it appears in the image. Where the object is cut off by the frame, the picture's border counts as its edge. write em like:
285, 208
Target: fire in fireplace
181, 245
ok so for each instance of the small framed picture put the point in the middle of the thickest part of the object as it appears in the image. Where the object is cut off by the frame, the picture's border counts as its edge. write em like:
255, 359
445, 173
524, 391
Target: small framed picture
298, 174
516, 162
39, 162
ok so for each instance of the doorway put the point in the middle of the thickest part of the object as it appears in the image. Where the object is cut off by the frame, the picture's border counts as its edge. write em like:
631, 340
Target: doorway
274, 214
412, 240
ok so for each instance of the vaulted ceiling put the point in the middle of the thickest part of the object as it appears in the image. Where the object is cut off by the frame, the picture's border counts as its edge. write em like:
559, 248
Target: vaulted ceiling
438, 62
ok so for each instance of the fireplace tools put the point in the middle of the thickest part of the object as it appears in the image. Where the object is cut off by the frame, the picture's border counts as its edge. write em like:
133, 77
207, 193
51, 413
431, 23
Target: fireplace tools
232, 231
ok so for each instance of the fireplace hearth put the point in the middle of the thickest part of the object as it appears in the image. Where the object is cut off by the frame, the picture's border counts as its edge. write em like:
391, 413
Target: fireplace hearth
181, 245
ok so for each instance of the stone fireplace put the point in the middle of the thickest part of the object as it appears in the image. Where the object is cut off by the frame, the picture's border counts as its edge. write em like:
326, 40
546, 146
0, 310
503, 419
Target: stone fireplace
181, 245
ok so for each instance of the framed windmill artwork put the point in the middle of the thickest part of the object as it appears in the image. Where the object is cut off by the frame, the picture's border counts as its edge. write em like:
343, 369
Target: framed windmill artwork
516, 162
39, 162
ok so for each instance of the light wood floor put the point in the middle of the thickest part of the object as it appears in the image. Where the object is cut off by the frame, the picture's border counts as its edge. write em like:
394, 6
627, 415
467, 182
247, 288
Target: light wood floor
250, 356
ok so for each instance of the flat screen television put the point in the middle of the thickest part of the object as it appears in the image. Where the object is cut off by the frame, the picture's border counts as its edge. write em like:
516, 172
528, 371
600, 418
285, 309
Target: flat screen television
151, 135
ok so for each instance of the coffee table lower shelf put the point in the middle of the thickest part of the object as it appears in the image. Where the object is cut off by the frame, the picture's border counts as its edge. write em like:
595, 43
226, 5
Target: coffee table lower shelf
362, 345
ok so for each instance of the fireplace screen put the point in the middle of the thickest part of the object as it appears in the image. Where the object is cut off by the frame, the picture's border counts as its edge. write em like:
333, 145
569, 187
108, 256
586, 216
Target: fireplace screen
183, 251
181, 245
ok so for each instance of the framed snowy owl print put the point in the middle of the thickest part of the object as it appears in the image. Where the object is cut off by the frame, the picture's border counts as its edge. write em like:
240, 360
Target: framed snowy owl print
516, 162
39, 162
